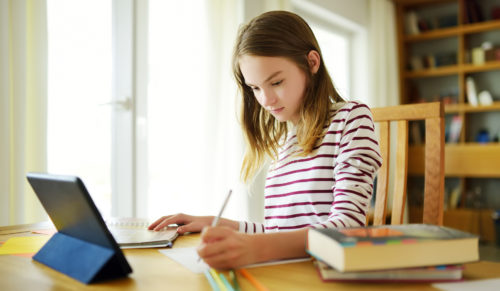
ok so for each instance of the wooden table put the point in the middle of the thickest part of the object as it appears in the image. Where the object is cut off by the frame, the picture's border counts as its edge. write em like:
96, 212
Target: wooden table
154, 271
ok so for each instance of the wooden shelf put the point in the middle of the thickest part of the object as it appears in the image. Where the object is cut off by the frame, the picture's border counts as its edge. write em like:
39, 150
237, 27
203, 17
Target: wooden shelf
453, 31
453, 70
488, 66
457, 108
480, 27
433, 72
434, 34
461, 160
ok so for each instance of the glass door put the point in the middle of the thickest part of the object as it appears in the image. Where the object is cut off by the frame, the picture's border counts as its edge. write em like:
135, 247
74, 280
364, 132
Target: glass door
90, 103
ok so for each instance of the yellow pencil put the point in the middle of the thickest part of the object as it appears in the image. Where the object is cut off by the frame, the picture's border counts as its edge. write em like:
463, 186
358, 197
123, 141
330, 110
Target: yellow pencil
217, 279
211, 280
252, 280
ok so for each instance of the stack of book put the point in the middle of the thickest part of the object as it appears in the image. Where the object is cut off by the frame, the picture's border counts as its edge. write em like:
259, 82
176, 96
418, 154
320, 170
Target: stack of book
392, 253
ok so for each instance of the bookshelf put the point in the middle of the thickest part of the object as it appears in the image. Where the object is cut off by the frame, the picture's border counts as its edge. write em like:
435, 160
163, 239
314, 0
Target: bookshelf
442, 43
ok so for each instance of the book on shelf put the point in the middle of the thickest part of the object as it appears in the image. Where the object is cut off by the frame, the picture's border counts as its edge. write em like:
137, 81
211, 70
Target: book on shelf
473, 12
391, 247
133, 233
426, 274
471, 91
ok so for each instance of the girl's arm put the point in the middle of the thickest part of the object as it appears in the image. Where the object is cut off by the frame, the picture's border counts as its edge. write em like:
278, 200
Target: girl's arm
224, 248
190, 223
355, 168
280, 245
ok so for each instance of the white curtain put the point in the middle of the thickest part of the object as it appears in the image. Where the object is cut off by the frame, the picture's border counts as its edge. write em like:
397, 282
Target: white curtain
383, 54
23, 106
227, 143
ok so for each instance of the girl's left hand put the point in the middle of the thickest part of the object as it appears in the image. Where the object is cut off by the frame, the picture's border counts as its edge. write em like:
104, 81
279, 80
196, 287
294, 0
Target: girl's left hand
223, 248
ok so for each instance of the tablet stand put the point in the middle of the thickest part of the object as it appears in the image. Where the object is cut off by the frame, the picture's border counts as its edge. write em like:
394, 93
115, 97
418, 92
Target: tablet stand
81, 260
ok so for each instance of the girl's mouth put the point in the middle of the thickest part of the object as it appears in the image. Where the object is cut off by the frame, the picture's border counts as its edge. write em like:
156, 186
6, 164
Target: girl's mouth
276, 111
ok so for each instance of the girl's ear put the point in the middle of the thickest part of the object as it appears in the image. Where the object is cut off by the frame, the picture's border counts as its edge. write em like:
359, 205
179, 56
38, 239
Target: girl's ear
313, 59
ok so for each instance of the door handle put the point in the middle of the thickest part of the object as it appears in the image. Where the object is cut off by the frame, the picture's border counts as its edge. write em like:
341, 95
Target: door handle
125, 104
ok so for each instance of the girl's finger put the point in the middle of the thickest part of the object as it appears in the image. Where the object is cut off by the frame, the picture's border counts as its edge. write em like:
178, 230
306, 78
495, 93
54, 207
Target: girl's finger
190, 227
172, 219
207, 250
158, 221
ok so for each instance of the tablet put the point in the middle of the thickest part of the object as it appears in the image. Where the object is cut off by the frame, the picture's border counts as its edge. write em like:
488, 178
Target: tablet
74, 214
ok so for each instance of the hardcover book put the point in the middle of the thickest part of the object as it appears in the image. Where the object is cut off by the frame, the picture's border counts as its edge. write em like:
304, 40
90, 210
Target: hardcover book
414, 275
391, 247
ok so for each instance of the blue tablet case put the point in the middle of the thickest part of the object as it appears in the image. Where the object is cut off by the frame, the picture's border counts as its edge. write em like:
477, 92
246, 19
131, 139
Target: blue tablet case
83, 248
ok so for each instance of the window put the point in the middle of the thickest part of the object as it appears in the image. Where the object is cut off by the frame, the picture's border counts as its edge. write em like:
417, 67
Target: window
159, 155
79, 81
343, 44
335, 50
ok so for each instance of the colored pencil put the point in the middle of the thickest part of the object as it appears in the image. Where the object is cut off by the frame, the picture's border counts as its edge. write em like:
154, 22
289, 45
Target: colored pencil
218, 280
234, 279
211, 281
252, 280
226, 282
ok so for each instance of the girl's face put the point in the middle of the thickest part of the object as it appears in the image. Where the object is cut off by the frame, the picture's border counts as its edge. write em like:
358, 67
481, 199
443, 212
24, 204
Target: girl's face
277, 83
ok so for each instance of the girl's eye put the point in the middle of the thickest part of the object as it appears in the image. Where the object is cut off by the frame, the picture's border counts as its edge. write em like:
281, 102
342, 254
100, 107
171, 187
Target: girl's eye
277, 83
254, 88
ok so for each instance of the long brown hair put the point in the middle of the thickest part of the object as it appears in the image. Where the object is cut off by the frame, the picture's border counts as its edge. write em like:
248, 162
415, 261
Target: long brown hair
281, 34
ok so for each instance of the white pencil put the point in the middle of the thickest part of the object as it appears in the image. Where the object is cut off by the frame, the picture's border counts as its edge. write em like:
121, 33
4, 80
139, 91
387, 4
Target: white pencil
216, 219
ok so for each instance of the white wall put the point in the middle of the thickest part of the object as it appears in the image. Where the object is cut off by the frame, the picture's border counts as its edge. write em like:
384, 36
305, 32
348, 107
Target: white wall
353, 10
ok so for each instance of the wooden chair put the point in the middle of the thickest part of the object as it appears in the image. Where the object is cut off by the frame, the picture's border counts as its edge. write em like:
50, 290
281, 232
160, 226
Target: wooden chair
433, 115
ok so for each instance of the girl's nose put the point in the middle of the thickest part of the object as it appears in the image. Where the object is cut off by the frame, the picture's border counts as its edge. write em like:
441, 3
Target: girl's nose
267, 98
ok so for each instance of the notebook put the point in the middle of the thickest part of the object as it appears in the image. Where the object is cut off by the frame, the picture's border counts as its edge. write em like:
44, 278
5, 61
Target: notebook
133, 233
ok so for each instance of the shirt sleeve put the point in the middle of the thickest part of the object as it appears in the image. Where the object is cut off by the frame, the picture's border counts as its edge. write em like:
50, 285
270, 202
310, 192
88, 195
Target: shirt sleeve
354, 170
251, 227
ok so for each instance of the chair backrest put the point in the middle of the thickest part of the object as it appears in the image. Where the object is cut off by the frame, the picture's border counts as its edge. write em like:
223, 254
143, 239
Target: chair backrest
433, 115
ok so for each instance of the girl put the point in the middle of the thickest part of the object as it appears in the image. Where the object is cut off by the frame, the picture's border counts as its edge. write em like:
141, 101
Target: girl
324, 151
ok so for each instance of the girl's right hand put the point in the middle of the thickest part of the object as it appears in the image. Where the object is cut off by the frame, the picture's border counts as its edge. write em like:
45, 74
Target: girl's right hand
187, 223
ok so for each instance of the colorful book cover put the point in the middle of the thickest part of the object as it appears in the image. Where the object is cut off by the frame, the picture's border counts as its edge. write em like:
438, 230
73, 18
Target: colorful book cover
389, 234
392, 246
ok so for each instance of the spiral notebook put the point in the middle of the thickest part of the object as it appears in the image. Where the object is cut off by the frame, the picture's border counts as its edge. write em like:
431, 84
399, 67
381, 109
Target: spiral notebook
133, 233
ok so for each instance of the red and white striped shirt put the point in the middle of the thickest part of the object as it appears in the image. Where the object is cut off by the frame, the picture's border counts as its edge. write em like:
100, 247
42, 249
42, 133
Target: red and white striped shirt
331, 187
